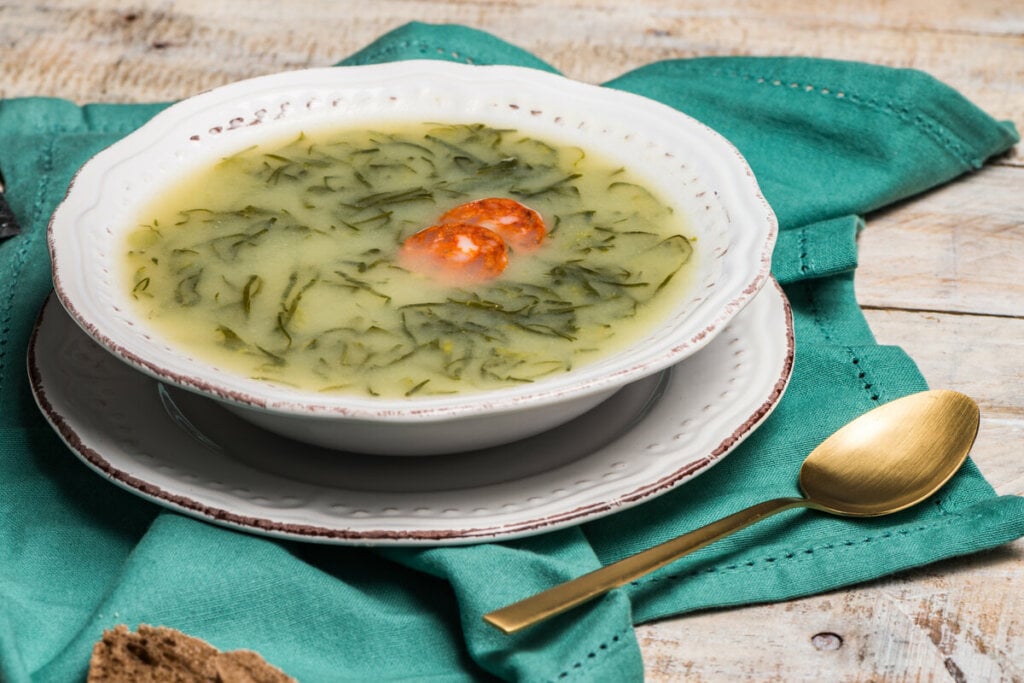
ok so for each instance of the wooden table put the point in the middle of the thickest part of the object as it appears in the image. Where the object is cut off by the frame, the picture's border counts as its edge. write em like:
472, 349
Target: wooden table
957, 305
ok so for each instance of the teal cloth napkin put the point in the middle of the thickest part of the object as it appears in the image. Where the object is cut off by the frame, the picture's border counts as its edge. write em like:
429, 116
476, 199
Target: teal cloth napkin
828, 141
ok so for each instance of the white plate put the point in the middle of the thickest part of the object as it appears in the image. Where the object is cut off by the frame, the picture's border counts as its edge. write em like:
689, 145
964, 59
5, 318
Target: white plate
188, 453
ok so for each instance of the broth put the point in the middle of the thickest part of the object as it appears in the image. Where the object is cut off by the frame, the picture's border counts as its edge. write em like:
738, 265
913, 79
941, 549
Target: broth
281, 262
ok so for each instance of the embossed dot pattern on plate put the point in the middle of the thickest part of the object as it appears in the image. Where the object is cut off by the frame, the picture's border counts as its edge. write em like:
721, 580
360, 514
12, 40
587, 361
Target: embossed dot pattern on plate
183, 451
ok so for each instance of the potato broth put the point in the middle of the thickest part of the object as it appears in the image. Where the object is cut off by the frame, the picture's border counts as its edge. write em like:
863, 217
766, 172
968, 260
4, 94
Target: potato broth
280, 262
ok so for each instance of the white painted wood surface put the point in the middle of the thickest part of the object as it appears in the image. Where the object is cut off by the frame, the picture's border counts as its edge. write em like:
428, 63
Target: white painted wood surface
956, 305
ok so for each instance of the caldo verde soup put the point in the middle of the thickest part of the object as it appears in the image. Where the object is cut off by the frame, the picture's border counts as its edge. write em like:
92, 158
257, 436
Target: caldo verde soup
297, 263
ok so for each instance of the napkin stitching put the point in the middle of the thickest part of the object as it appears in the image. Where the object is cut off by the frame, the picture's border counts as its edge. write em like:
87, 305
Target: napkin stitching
866, 382
21, 255
423, 46
773, 561
604, 647
822, 322
119, 128
902, 110
802, 243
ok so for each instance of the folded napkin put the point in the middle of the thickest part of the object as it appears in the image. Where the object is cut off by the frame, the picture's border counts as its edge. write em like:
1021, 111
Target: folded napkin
828, 141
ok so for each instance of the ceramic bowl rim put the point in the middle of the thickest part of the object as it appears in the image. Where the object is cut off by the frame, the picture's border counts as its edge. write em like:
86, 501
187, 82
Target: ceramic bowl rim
571, 385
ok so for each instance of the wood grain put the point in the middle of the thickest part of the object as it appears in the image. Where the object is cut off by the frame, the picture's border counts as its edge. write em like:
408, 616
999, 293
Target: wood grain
926, 625
940, 275
104, 51
956, 248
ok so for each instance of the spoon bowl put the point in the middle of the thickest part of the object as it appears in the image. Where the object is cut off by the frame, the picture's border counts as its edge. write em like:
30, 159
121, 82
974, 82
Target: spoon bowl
886, 460
892, 457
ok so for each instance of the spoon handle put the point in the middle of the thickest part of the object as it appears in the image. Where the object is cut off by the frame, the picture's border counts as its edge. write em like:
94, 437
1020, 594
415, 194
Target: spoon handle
565, 596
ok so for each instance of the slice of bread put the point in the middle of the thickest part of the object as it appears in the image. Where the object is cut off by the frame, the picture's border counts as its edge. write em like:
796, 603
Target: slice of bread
156, 654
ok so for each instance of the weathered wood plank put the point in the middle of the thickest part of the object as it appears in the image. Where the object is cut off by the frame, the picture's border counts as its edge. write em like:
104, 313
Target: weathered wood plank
954, 621
979, 355
957, 248
155, 51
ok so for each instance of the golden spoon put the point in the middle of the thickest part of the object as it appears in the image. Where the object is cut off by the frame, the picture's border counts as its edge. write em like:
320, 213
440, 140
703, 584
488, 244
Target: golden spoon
885, 461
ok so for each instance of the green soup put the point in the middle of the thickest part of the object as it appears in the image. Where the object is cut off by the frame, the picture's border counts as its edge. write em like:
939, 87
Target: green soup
280, 262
